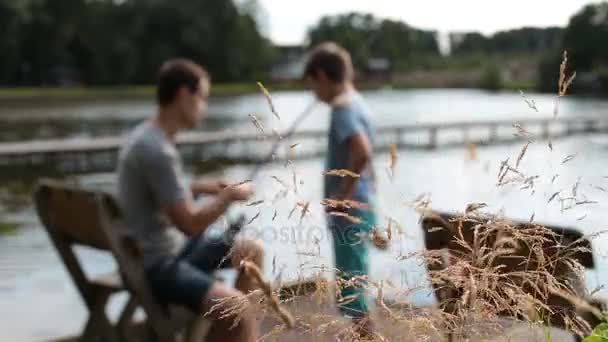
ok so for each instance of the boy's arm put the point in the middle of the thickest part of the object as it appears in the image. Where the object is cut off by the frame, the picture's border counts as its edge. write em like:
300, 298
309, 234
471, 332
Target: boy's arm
360, 151
350, 131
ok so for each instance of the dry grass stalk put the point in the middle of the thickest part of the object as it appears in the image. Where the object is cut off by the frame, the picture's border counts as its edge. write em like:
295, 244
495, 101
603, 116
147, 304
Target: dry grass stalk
255, 203
563, 82
344, 204
282, 183
305, 209
254, 218
231, 307
341, 173
522, 132
257, 123
251, 269
240, 183
392, 160
528, 101
269, 99
521, 154
295, 181
569, 158
472, 207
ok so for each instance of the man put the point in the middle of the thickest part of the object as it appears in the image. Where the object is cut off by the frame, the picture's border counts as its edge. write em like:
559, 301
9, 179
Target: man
329, 73
162, 216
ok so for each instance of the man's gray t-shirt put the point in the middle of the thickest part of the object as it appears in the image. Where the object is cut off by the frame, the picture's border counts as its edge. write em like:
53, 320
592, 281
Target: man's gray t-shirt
149, 177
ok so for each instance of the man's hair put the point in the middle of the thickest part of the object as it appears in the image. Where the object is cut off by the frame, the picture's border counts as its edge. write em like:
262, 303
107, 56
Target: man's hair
333, 60
174, 74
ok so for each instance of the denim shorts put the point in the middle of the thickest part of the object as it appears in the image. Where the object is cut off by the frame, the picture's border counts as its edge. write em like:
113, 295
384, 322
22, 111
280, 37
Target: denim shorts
186, 278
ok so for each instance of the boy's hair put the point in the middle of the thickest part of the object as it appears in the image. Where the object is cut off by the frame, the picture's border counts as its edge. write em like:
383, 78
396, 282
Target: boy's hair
174, 74
333, 60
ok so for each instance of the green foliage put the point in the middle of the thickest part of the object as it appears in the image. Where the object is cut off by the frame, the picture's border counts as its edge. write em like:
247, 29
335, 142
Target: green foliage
123, 42
584, 38
8, 228
599, 334
525, 40
491, 78
586, 35
366, 37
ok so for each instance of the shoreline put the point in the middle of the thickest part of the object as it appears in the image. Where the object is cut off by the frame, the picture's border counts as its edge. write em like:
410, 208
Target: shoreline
9, 94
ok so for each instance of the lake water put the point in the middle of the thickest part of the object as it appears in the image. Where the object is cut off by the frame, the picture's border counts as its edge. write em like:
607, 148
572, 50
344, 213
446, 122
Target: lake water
38, 300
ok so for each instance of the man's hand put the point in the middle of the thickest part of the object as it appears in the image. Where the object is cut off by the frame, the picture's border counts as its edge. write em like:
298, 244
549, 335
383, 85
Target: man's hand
240, 192
193, 219
210, 187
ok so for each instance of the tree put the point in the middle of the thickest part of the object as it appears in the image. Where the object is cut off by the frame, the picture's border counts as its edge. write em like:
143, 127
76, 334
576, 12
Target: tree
12, 18
120, 42
584, 39
469, 43
365, 37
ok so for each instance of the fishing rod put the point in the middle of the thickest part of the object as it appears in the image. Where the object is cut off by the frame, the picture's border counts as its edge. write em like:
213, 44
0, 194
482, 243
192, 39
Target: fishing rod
235, 226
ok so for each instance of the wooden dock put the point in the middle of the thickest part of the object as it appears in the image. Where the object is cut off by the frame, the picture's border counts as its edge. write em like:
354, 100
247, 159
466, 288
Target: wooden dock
99, 154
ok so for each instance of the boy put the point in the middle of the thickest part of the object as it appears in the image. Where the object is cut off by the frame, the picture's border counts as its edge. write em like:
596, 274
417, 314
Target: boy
329, 73
162, 216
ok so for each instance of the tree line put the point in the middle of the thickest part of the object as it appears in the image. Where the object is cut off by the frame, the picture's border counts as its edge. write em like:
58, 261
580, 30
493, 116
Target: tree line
109, 42
124, 41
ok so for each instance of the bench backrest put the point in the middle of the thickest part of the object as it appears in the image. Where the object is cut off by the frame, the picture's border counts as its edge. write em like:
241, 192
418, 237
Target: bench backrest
70, 214
92, 218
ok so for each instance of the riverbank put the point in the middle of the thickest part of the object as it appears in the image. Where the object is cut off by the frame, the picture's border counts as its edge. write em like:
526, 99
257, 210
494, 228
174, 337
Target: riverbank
222, 89
131, 91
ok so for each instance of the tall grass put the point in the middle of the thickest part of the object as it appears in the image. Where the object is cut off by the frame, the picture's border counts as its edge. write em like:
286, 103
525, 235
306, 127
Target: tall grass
492, 268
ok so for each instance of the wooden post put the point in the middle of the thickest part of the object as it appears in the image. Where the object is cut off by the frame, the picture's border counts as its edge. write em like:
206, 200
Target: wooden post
399, 134
545, 125
569, 129
590, 126
465, 135
493, 133
432, 138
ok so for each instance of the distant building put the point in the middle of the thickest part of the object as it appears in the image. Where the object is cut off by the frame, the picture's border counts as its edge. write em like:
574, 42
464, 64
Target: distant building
378, 69
289, 64
63, 76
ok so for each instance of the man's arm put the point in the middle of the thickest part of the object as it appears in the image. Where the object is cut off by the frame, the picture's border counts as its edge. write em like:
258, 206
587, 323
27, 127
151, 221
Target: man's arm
209, 187
193, 219
163, 175
360, 151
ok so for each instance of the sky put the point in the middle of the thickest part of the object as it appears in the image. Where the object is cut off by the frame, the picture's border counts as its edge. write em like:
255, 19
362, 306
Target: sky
287, 21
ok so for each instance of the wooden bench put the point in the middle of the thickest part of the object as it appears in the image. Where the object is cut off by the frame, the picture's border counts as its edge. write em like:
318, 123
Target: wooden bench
74, 216
442, 230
